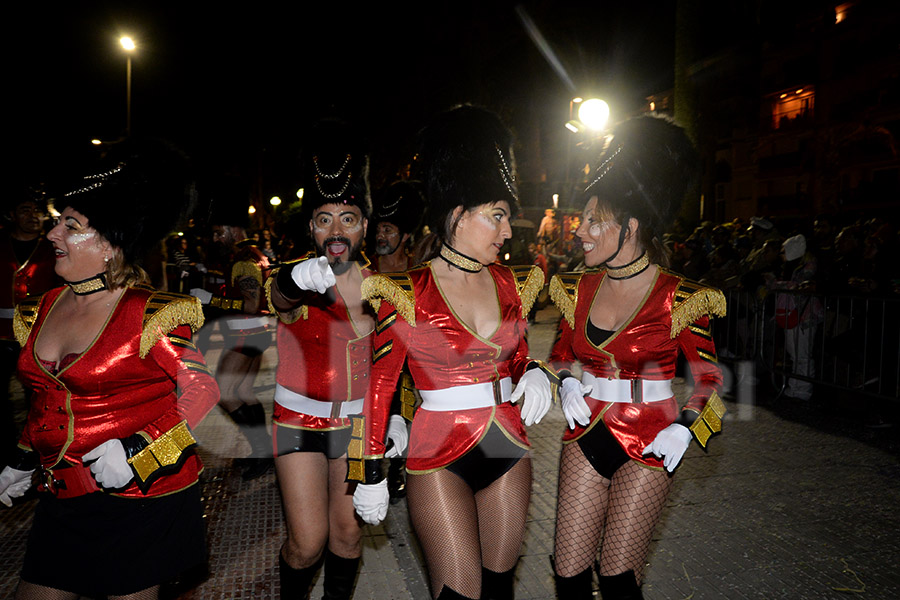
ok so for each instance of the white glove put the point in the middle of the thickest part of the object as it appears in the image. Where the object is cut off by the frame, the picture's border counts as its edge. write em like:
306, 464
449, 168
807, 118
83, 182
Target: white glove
13, 484
202, 294
535, 388
397, 433
371, 501
313, 274
670, 443
572, 393
110, 467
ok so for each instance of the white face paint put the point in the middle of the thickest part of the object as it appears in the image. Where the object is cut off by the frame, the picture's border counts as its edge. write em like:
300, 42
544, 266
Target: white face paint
80, 238
483, 230
598, 232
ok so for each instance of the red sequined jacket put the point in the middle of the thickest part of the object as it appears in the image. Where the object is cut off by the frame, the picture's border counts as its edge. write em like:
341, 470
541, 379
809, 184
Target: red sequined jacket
674, 317
141, 375
416, 324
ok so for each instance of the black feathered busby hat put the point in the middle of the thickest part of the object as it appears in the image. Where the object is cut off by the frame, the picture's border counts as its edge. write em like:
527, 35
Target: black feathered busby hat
647, 167
134, 195
465, 159
401, 205
335, 168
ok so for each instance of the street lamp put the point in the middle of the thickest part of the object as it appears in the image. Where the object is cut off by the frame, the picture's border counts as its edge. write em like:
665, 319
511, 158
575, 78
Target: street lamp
129, 46
594, 113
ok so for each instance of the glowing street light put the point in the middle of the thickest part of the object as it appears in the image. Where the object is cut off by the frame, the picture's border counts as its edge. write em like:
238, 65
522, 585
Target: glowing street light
128, 45
275, 201
594, 113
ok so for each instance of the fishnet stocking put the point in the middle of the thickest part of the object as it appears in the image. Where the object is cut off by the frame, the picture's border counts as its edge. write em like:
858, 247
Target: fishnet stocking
628, 506
31, 591
456, 527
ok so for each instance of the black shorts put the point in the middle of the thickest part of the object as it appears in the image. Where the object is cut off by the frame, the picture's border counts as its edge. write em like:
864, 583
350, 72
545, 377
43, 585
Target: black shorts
331, 442
252, 345
603, 450
487, 462
99, 544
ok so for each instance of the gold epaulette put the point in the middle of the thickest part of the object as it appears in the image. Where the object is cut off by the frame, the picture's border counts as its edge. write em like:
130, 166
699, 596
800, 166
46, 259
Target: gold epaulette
24, 318
710, 420
396, 288
164, 451
529, 281
692, 301
246, 268
355, 468
564, 293
164, 312
301, 312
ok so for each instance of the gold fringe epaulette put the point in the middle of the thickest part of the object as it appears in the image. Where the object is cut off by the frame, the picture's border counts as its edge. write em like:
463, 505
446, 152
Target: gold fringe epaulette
164, 451
246, 268
564, 293
301, 312
529, 282
692, 301
164, 312
24, 318
710, 420
396, 288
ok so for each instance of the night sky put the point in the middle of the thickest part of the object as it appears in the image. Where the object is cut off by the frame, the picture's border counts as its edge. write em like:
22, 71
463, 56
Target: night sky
237, 87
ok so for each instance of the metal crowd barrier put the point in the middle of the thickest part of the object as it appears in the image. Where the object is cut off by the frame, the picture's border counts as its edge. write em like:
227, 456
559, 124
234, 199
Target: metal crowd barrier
846, 342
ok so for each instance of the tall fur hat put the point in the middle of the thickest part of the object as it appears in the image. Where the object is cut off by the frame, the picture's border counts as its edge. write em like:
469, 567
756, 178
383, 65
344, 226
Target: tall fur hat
335, 168
645, 171
134, 195
401, 205
465, 159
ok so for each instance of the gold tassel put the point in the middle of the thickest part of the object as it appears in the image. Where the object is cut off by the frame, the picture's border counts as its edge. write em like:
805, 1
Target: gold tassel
700, 303
389, 287
163, 313
563, 299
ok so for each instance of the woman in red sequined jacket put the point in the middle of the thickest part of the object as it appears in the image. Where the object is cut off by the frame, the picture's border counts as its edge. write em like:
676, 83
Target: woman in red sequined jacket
117, 387
626, 324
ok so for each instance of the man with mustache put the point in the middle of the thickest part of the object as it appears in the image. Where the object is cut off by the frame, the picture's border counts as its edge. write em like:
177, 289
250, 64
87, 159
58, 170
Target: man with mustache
324, 353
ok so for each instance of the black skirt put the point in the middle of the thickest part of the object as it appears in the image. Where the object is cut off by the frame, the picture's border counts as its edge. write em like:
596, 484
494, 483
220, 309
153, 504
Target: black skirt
99, 545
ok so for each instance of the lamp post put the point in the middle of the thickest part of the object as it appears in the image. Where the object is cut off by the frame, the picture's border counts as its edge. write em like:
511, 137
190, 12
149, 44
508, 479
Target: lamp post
591, 119
129, 46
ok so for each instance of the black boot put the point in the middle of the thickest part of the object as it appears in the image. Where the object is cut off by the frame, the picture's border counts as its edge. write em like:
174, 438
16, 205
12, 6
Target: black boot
340, 576
396, 482
620, 587
576, 587
497, 586
448, 593
296, 583
251, 419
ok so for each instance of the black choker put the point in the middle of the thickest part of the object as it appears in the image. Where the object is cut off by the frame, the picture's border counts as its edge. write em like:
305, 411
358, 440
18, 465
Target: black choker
91, 285
460, 260
632, 269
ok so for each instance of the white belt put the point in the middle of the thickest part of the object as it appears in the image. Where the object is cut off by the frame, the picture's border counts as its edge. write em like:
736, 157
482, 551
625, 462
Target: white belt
463, 397
316, 408
628, 390
247, 323
216, 279
7, 313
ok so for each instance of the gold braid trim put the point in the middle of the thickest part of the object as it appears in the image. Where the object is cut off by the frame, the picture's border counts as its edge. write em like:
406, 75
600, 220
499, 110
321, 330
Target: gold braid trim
709, 421
564, 293
164, 312
355, 458
692, 301
396, 288
301, 312
164, 451
246, 268
529, 282
24, 318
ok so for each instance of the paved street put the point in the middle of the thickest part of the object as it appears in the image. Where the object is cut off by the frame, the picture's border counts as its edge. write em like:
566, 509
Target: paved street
781, 506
